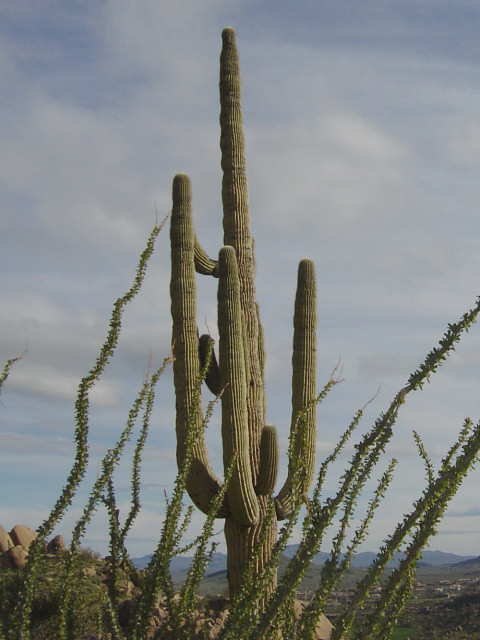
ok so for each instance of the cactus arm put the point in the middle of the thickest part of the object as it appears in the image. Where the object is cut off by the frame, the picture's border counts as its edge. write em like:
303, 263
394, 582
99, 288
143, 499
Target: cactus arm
267, 476
241, 495
304, 364
303, 391
202, 485
212, 379
203, 264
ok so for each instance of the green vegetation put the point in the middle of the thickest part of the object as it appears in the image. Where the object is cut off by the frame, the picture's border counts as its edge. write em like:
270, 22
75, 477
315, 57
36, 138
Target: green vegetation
87, 588
452, 611
405, 633
262, 603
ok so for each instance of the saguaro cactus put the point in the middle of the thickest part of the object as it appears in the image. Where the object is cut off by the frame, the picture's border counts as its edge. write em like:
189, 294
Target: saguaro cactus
250, 509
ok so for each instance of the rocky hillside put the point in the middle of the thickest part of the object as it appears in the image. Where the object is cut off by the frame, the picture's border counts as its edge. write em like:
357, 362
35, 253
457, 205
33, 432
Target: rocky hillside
92, 581
14, 545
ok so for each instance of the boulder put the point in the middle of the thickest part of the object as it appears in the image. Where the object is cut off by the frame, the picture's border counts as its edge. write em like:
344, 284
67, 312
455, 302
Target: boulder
125, 588
56, 545
22, 535
88, 572
324, 628
16, 557
5, 540
6, 564
209, 620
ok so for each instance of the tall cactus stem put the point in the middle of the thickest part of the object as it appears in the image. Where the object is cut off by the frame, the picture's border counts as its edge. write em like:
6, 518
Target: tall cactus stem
241, 495
202, 485
236, 226
236, 220
244, 542
250, 511
303, 423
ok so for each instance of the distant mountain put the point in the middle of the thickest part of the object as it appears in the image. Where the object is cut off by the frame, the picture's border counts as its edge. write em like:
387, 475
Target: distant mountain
365, 558
319, 558
439, 558
141, 563
180, 564
470, 562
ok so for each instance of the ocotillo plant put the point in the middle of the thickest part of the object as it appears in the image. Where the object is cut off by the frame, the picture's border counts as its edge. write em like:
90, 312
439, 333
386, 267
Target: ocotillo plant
250, 510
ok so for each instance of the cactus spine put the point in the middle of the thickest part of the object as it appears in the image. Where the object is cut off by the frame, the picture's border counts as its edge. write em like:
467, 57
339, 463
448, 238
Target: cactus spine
249, 505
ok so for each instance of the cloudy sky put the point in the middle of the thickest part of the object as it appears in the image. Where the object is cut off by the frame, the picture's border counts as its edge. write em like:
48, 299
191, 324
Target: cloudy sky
362, 123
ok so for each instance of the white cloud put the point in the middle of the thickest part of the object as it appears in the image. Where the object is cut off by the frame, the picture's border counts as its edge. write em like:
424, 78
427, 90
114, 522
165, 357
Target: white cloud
45, 382
332, 162
25, 444
361, 151
465, 142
